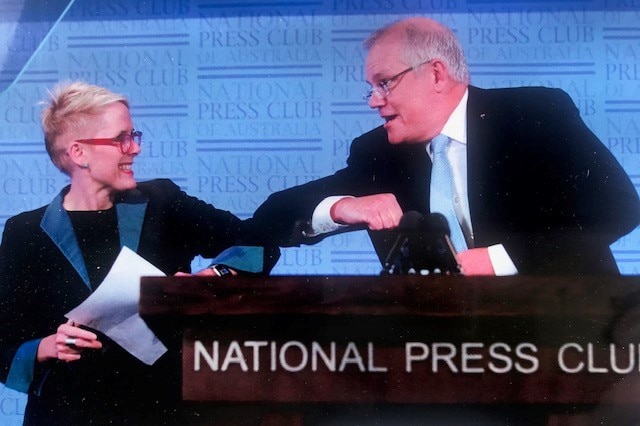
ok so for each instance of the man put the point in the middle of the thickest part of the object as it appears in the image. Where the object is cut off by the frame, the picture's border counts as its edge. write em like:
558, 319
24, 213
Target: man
531, 184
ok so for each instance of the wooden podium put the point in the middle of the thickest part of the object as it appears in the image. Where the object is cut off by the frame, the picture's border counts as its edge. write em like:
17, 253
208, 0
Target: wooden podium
377, 350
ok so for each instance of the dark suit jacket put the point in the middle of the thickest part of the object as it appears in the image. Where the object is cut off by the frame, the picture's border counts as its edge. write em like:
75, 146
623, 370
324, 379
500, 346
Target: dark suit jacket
539, 182
43, 276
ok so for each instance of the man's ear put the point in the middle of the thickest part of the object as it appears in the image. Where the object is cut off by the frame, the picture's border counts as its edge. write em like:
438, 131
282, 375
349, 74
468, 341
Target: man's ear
440, 74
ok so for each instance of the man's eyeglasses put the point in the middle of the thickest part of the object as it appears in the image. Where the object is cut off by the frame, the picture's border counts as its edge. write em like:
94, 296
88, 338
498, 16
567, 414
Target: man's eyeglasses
383, 88
124, 141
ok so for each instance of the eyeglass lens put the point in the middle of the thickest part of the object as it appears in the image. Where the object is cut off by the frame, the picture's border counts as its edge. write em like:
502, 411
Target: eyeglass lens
127, 139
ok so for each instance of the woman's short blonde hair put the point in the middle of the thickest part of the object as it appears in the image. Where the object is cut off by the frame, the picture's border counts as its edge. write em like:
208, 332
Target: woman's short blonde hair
68, 108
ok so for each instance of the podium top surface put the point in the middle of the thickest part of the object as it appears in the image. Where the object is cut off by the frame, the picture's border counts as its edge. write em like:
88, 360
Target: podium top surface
397, 295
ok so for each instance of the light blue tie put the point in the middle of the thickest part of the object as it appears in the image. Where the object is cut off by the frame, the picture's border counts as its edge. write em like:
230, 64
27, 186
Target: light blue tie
442, 191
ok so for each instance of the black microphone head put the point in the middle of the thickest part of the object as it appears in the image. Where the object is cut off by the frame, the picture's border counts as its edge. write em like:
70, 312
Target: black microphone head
436, 222
411, 221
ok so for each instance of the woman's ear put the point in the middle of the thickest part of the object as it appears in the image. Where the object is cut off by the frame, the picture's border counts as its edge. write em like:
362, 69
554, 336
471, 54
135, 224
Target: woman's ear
77, 155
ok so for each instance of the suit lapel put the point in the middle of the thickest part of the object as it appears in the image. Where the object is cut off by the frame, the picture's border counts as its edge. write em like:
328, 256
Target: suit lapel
414, 178
57, 225
131, 218
480, 137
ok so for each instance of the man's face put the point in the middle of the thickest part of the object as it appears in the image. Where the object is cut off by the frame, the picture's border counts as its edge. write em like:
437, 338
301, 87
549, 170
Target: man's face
408, 107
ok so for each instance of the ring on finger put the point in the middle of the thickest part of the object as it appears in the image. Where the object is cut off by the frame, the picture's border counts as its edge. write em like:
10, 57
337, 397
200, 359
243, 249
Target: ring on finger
70, 341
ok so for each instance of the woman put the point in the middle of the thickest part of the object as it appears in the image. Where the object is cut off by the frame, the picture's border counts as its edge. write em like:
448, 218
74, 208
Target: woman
52, 258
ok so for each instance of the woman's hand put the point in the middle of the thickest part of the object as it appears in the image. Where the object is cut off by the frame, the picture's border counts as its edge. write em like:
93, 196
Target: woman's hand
67, 344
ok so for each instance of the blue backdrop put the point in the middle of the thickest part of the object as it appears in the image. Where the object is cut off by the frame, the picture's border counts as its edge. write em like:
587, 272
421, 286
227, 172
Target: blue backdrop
238, 99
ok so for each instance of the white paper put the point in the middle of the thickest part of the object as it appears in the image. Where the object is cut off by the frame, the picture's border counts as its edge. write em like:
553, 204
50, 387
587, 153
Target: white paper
113, 308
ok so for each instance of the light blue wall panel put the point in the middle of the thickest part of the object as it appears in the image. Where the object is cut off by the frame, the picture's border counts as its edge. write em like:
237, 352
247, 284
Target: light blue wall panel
238, 99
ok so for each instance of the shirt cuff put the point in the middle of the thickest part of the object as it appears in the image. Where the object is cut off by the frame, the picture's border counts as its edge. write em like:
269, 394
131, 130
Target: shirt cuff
22, 367
242, 258
321, 221
501, 262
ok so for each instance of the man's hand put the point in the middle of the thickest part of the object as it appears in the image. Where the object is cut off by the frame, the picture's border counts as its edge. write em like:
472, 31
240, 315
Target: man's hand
475, 262
379, 211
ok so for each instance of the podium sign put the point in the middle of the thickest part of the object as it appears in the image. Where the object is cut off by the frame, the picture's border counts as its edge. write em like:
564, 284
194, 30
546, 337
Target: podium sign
404, 339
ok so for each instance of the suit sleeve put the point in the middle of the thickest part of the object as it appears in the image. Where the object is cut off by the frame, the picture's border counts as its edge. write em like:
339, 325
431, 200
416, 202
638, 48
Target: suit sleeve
18, 346
286, 214
200, 229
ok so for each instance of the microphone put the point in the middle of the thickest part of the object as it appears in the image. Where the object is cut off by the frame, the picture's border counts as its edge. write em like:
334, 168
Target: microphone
422, 246
438, 223
445, 253
410, 222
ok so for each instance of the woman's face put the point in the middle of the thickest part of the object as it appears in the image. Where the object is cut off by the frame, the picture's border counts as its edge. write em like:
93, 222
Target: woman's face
109, 169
